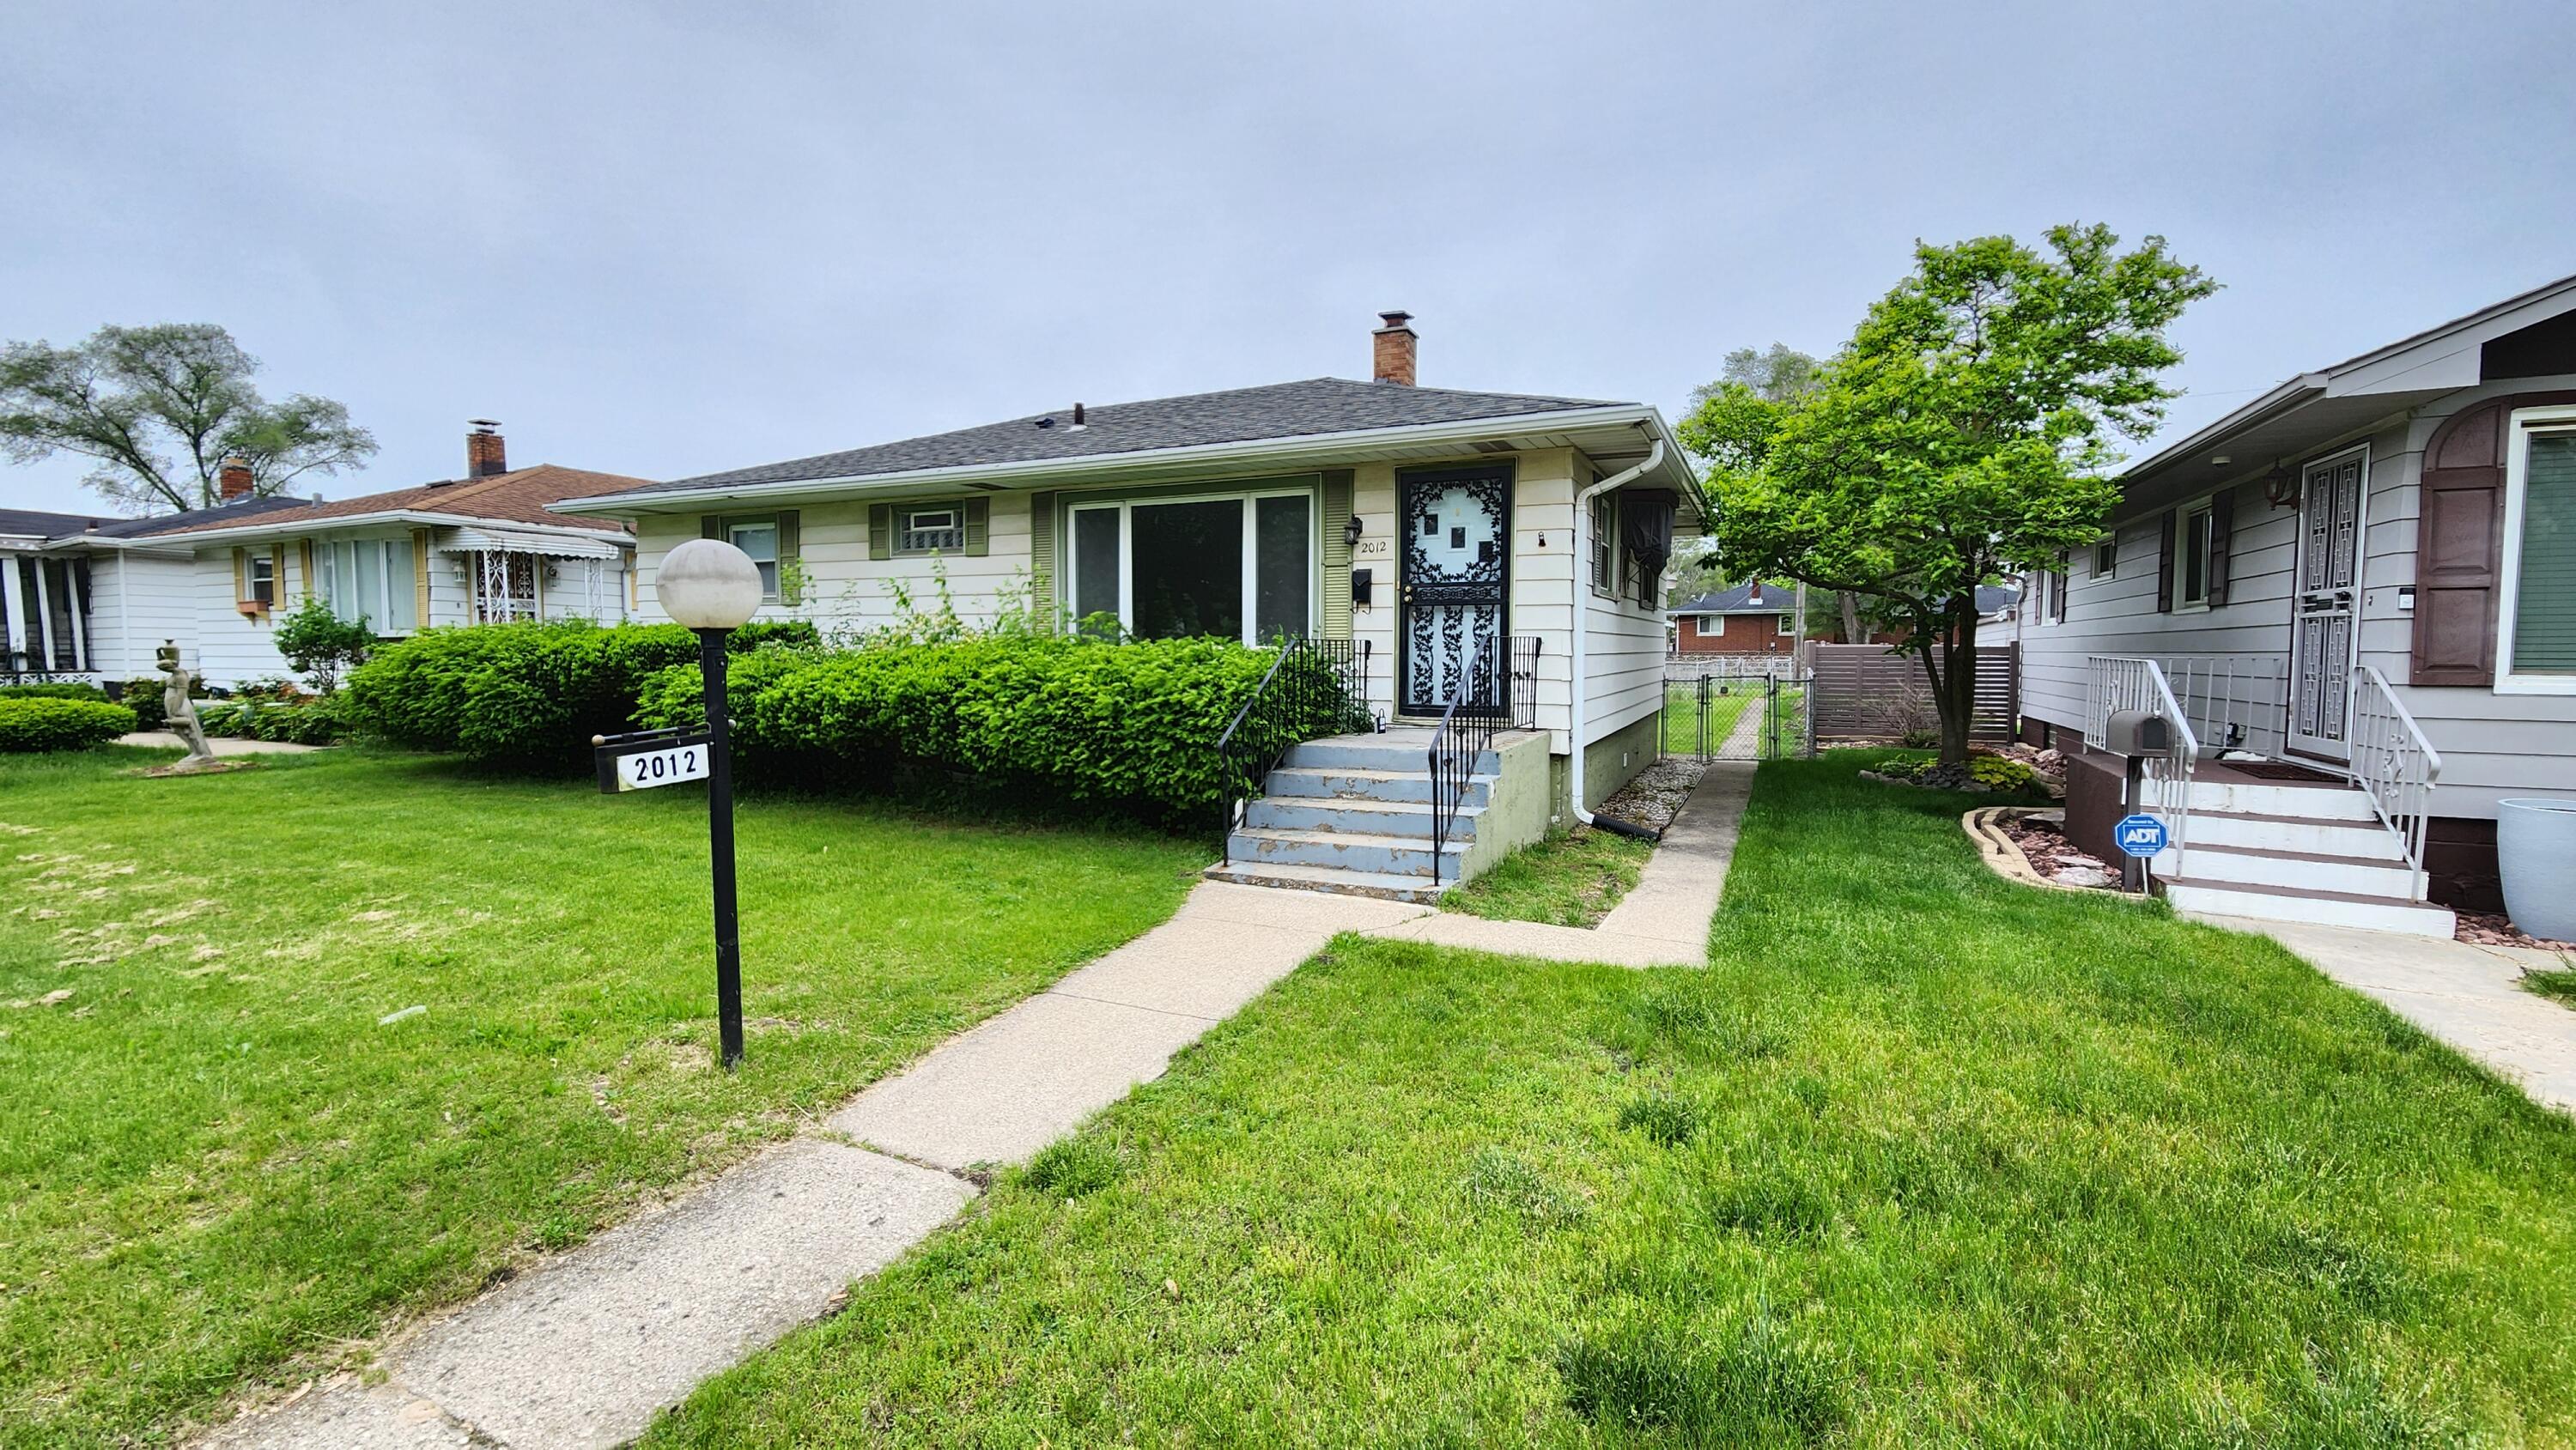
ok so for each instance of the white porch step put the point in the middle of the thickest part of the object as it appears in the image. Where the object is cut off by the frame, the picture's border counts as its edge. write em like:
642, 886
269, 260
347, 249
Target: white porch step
1383, 885
1359, 783
2323, 908
2303, 870
2313, 802
2359, 840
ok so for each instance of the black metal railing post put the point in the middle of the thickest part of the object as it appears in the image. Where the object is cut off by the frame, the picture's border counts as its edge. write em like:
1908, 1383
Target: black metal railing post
1497, 686
1312, 680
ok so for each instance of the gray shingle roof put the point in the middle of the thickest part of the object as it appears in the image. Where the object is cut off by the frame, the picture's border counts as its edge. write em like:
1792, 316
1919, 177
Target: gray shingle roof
221, 513
44, 525
1241, 415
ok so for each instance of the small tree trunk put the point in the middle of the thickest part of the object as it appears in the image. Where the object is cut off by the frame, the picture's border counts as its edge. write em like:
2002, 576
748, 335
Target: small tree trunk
1959, 697
1850, 603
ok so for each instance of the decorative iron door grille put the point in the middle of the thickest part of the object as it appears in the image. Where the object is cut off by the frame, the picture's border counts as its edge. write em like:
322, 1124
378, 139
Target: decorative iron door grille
1456, 525
2323, 612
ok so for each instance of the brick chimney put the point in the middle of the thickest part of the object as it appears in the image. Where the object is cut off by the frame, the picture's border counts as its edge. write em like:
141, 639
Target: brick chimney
1394, 349
483, 453
232, 480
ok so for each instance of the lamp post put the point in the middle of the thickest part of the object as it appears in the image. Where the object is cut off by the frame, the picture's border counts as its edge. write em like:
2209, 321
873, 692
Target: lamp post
713, 588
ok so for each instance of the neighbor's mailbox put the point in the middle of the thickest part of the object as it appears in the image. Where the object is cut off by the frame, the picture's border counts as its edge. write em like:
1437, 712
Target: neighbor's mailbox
647, 758
2137, 732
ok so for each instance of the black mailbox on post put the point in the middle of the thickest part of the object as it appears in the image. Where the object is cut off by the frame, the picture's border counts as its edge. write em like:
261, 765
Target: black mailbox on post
2137, 732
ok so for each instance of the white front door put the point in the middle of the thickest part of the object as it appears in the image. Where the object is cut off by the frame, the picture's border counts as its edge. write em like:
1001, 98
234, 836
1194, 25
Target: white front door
2326, 606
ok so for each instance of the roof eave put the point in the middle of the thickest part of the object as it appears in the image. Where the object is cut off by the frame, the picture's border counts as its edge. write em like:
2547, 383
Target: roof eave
1303, 447
275, 524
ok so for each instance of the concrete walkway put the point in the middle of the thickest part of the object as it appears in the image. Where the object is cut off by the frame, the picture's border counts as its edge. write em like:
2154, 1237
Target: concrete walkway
2461, 995
1744, 742
221, 745
581, 1352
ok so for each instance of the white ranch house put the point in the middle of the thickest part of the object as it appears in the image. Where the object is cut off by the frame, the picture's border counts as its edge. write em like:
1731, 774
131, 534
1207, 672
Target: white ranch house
1415, 522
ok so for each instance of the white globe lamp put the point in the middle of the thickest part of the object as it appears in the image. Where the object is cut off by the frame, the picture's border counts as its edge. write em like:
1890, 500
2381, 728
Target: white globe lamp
708, 584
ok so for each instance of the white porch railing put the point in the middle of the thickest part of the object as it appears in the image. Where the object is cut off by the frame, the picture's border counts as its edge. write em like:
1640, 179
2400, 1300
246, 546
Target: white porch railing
2393, 762
2128, 682
2234, 702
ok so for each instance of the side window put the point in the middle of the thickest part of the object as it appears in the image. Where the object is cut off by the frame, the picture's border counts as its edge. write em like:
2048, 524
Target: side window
922, 530
759, 539
2106, 559
1604, 548
2191, 556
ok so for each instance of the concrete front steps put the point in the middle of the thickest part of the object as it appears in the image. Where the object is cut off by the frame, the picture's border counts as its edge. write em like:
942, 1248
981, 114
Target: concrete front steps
1353, 814
2294, 851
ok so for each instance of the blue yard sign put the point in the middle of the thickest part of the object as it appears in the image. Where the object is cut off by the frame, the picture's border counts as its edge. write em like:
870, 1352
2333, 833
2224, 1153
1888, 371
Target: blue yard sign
2139, 835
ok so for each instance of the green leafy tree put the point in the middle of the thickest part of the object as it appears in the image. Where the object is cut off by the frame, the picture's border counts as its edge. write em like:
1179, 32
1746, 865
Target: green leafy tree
1776, 377
320, 644
1965, 433
160, 409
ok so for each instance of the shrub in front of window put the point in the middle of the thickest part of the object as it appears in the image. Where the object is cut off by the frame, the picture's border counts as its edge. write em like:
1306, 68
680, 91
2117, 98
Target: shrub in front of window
320, 644
525, 693
1127, 729
44, 723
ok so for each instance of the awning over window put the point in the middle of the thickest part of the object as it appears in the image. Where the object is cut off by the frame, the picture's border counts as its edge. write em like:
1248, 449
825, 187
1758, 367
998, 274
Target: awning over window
526, 541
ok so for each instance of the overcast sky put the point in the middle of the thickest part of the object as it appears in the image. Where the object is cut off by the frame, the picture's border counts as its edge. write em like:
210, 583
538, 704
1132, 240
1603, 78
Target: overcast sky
665, 239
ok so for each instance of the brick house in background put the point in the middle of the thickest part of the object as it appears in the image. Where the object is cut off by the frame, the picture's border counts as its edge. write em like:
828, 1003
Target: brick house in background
1761, 619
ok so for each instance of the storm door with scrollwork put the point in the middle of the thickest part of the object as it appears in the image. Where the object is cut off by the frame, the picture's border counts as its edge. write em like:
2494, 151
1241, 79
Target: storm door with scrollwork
1455, 526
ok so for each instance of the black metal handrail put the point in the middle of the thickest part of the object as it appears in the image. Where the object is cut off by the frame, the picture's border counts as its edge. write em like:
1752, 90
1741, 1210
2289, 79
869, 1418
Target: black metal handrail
1492, 694
1316, 687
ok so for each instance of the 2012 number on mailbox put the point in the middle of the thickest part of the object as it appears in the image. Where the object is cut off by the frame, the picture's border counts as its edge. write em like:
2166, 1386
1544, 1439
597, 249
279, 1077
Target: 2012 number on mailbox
646, 769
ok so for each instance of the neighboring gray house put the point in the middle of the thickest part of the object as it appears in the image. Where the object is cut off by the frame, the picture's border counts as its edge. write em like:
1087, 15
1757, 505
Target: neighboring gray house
2371, 565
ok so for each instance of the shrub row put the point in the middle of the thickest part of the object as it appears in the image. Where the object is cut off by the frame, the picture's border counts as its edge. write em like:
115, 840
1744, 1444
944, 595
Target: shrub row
143, 697
1130, 728
313, 722
54, 690
29, 724
525, 693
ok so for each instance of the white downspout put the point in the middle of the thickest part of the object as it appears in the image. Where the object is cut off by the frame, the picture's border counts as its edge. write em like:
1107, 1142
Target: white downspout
1582, 609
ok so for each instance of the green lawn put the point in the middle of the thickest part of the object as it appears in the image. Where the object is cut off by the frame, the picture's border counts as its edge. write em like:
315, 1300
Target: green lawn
220, 1162
1571, 879
1923, 1158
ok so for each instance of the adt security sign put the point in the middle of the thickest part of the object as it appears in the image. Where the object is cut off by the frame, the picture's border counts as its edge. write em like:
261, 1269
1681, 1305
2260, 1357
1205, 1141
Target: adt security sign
2139, 835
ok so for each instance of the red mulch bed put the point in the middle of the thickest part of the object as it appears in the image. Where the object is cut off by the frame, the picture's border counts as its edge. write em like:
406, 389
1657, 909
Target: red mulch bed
2057, 858
2486, 930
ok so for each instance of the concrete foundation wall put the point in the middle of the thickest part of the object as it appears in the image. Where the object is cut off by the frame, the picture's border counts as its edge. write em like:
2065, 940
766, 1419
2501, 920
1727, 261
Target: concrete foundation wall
1519, 808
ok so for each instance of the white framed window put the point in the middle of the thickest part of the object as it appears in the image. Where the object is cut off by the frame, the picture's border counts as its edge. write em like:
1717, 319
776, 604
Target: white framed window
2106, 559
1605, 574
759, 539
1788, 625
2192, 534
2536, 601
259, 578
1240, 565
923, 530
1709, 626
371, 580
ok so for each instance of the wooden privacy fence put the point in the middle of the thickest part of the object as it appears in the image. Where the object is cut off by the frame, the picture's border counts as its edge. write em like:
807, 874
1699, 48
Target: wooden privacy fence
1861, 692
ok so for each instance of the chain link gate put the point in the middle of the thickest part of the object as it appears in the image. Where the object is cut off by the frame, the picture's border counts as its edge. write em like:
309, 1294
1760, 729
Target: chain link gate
1735, 708
1788, 730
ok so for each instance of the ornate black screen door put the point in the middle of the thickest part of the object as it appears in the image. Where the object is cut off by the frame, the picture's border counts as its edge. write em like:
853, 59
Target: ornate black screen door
1456, 526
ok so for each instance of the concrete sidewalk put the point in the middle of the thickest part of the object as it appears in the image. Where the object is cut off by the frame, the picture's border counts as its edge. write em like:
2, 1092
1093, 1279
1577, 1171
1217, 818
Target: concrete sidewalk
2461, 995
584, 1350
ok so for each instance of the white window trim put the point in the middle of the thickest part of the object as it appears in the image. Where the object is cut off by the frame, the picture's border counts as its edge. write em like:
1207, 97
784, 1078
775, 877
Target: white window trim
2113, 544
2203, 506
1250, 498
2517, 461
326, 566
1601, 566
1701, 623
777, 560
904, 513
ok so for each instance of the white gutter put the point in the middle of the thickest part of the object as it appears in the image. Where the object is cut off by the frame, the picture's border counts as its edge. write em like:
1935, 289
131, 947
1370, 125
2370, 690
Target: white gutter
1582, 606
1317, 445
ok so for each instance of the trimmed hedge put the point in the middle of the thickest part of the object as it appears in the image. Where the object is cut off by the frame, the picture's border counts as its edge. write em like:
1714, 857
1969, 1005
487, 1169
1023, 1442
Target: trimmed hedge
312, 722
526, 693
54, 690
1130, 728
43, 723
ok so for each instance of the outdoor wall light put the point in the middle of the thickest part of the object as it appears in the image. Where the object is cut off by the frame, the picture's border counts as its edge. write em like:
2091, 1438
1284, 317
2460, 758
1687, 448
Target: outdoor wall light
1351, 529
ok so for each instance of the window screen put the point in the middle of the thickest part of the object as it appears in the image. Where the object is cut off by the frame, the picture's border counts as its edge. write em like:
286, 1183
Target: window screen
2544, 610
1095, 562
1283, 574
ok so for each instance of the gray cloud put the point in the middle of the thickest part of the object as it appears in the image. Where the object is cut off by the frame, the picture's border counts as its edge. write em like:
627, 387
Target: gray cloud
664, 240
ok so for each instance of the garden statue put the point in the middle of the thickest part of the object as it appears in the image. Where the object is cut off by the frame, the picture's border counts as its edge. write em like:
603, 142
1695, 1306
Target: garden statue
179, 712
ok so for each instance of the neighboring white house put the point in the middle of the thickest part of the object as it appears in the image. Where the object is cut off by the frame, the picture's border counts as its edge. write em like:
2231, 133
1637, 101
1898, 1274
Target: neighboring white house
481, 548
1417, 522
2392, 536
